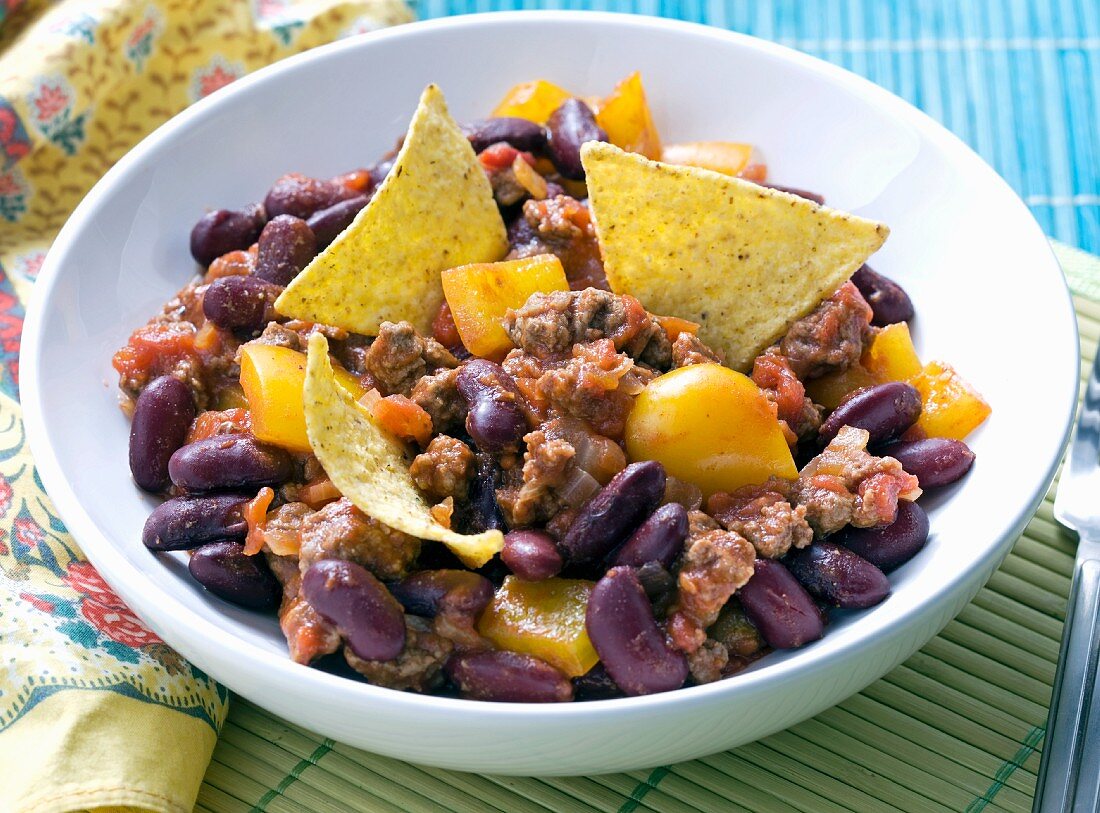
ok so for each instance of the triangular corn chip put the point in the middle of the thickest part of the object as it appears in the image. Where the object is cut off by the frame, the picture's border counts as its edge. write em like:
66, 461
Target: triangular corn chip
742, 260
435, 210
369, 466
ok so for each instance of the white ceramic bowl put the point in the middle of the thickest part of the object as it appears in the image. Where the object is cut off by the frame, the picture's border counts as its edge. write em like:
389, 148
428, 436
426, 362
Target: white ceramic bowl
989, 295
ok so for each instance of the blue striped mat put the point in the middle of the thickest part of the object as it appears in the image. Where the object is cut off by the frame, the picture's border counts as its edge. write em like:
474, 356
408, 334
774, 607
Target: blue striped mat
1019, 81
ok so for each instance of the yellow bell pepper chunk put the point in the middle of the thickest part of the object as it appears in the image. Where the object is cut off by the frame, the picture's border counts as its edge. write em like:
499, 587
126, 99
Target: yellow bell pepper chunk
273, 379
727, 157
891, 356
544, 619
626, 118
830, 389
951, 408
710, 426
481, 293
532, 100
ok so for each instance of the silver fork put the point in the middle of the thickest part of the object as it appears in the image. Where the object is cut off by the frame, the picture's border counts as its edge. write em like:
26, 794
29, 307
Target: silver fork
1069, 776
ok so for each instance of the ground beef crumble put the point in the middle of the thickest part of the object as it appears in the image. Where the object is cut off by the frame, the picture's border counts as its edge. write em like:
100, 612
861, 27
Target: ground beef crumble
764, 516
444, 469
438, 395
847, 485
547, 464
707, 663
342, 531
549, 324
689, 349
399, 357
831, 337
587, 386
715, 565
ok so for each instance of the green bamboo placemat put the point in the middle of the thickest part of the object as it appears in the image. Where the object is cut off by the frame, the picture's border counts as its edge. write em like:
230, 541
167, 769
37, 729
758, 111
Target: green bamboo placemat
957, 727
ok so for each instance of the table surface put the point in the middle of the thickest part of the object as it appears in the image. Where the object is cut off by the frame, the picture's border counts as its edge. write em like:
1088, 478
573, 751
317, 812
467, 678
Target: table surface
960, 725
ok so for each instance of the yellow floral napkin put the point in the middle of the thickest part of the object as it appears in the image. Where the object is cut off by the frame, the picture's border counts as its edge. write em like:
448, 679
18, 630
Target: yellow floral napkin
96, 712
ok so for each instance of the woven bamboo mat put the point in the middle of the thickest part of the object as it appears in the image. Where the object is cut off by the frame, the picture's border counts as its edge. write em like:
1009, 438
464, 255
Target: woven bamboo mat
957, 727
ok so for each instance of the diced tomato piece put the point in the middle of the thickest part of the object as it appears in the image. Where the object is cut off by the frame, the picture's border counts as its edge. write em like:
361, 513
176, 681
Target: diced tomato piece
444, 329
154, 350
402, 417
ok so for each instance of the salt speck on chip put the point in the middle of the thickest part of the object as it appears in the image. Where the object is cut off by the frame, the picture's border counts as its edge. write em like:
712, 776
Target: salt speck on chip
434, 210
369, 466
742, 260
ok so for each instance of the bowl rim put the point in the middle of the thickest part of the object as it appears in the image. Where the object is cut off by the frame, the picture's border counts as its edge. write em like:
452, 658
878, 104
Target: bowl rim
277, 668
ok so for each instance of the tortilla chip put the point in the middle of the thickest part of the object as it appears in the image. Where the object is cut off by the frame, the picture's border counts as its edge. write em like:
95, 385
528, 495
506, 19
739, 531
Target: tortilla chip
435, 210
742, 260
369, 466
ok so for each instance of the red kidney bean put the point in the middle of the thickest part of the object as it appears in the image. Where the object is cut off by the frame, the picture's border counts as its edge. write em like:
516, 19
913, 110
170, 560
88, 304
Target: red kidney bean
227, 462
888, 300
508, 677
616, 510
659, 539
327, 224
182, 523
431, 592
350, 597
631, 646
239, 303
884, 410
838, 576
229, 573
379, 171
568, 127
522, 134
802, 193
934, 462
162, 418
224, 230
286, 246
495, 420
595, 684
301, 196
889, 546
779, 607
532, 555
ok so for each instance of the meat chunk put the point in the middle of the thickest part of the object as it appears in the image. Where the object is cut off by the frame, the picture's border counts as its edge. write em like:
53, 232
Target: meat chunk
708, 662
444, 469
399, 356
596, 385
689, 349
716, 564
547, 465
438, 395
847, 485
830, 338
279, 336
549, 324
342, 531
419, 667
561, 226
764, 516
700, 523
772, 372
308, 636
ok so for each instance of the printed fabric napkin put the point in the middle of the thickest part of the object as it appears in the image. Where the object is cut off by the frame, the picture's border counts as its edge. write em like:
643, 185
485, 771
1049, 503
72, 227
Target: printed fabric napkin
96, 712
